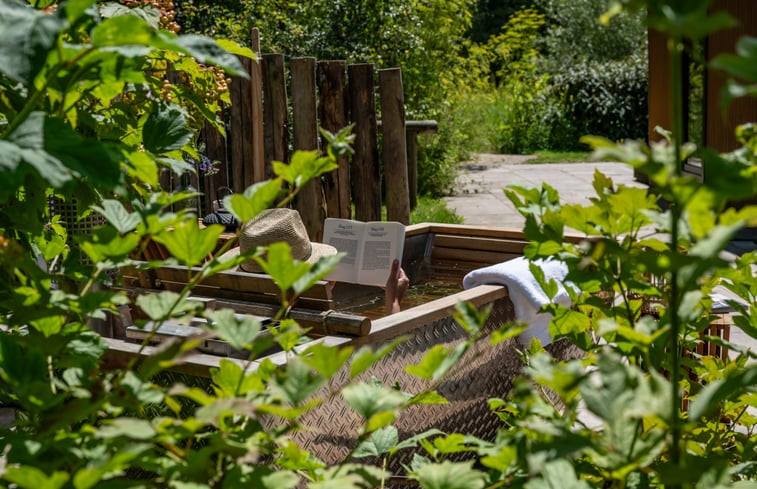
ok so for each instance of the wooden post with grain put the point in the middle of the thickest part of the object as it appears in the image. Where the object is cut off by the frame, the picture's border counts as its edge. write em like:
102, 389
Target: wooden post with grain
275, 113
366, 184
256, 112
394, 145
309, 201
332, 85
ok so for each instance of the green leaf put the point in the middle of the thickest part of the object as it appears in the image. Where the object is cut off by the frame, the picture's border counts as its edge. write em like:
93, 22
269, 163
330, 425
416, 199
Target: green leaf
430, 363
318, 271
234, 48
78, 154
371, 399
255, 199
26, 145
283, 269
123, 30
297, 382
137, 429
728, 178
166, 129
204, 50
189, 243
231, 381
27, 477
326, 360
365, 357
304, 166
238, 331
28, 37
118, 216
380, 442
714, 393
471, 319
431, 397
450, 475
558, 473
106, 243
164, 305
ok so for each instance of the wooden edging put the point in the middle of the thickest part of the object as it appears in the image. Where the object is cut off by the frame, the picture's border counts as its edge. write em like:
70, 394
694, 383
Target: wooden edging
399, 323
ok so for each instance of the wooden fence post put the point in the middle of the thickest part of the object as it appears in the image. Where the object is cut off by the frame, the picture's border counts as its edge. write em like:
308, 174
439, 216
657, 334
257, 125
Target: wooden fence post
332, 86
256, 108
215, 150
275, 113
240, 134
309, 202
394, 145
366, 183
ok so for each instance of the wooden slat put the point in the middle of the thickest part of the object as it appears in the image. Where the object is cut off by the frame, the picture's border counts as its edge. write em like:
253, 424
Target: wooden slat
229, 294
366, 176
309, 201
394, 145
256, 110
483, 257
275, 112
215, 150
401, 322
503, 245
332, 84
239, 281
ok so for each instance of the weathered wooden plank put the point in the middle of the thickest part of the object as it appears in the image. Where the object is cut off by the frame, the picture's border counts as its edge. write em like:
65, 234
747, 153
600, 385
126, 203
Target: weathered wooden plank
310, 201
366, 184
394, 145
332, 85
239, 281
484, 257
256, 110
215, 150
502, 245
275, 112
399, 323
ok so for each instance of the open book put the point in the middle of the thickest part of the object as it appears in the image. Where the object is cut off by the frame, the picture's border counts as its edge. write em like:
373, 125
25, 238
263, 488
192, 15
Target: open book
370, 248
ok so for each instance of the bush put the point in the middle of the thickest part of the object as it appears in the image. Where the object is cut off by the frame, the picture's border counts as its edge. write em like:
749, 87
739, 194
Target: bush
607, 99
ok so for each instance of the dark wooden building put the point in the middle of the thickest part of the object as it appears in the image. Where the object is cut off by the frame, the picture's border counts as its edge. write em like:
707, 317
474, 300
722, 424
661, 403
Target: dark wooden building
702, 100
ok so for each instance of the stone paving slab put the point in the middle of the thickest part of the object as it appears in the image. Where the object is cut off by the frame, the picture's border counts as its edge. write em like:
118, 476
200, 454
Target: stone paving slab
479, 199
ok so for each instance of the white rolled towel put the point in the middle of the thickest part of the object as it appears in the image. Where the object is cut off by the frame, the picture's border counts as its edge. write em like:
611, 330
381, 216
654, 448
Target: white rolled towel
525, 292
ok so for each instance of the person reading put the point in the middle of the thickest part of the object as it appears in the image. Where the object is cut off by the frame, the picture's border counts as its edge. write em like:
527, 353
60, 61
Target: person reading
285, 225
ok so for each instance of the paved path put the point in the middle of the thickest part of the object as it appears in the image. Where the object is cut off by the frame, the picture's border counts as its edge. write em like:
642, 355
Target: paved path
480, 200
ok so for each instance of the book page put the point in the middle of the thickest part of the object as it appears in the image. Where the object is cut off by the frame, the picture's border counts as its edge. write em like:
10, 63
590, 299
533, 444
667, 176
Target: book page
382, 243
344, 235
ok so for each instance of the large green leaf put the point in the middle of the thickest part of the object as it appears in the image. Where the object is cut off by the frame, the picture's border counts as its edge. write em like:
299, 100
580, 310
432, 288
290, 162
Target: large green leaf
708, 400
326, 360
231, 381
27, 38
189, 243
238, 332
451, 475
371, 399
88, 158
124, 30
298, 382
255, 199
117, 215
380, 442
166, 129
163, 305
25, 145
204, 50
27, 477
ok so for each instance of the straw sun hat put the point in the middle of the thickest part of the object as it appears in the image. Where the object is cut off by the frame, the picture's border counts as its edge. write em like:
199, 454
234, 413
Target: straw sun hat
277, 225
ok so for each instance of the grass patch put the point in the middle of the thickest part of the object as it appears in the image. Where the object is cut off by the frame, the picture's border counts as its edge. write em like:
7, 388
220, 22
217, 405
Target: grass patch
433, 210
548, 156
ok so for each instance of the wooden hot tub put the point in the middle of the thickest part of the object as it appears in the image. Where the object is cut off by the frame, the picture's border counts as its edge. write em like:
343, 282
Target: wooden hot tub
445, 252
